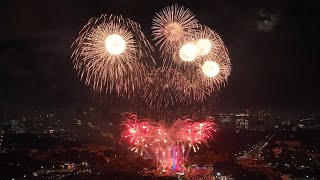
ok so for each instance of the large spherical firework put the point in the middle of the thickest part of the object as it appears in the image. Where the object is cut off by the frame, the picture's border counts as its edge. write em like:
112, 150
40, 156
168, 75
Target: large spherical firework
110, 54
216, 69
172, 25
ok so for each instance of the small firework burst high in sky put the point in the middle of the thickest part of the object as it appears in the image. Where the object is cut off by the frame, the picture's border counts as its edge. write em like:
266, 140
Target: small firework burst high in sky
169, 146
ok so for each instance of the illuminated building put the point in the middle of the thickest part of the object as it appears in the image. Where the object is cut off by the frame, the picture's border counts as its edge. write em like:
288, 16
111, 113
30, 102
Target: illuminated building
226, 118
242, 121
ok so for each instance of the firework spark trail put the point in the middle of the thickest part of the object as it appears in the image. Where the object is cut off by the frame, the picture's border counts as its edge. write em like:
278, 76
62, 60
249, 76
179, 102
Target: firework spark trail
168, 87
197, 89
192, 134
158, 141
164, 87
110, 54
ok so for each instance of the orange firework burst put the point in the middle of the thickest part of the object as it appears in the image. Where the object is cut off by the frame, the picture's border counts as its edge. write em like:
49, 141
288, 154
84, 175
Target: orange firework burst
110, 54
215, 71
208, 67
170, 26
214, 65
204, 43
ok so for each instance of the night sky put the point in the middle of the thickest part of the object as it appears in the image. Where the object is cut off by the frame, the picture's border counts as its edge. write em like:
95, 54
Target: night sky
274, 51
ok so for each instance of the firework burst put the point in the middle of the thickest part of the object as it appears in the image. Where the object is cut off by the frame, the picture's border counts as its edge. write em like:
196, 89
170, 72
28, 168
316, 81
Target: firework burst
171, 26
208, 42
215, 72
215, 68
169, 146
211, 67
137, 132
110, 54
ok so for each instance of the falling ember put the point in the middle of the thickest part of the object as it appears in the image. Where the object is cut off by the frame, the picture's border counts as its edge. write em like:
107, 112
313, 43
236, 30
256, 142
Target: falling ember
170, 150
210, 68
